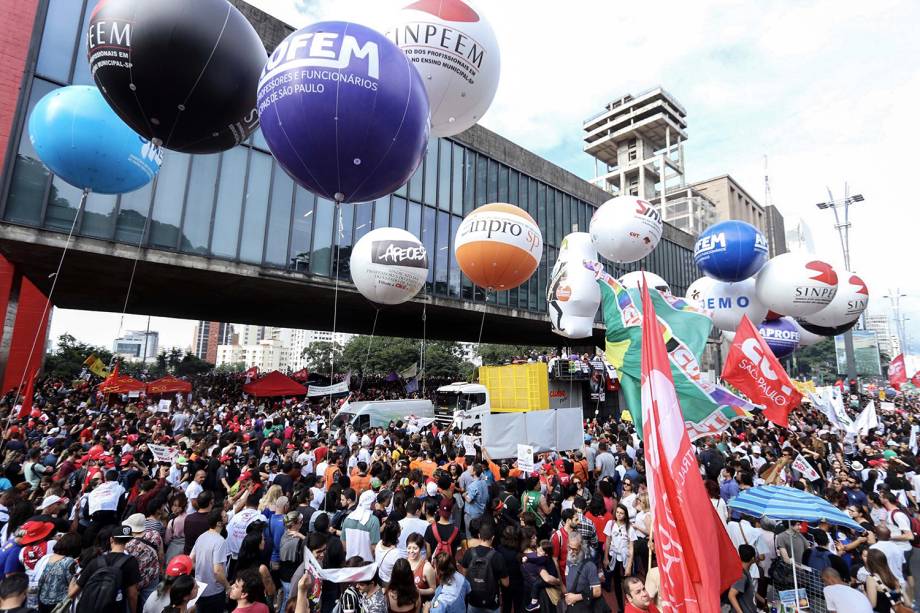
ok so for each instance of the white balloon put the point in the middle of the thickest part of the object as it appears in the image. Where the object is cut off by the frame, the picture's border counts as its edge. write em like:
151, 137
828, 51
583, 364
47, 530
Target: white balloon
625, 229
634, 280
455, 50
389, 265
806, 338
796, 284
848, 304
573, 295
727, 302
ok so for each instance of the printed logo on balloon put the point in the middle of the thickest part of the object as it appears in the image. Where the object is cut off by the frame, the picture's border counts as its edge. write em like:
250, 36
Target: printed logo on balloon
498, 246
344, 111
455, 50
625, 229
389, 266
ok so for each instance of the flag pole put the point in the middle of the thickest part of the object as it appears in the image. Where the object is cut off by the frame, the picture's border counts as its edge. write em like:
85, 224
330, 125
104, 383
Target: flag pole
795, 577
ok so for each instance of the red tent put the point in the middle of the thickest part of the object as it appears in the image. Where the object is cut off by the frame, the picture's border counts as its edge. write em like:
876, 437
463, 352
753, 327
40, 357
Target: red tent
121, 384
274, 384
167, 385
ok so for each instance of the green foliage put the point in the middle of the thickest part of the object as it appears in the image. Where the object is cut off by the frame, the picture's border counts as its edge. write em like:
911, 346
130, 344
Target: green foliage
319, 356
232, 367
496, 355
381, 355
818, 362
67, 361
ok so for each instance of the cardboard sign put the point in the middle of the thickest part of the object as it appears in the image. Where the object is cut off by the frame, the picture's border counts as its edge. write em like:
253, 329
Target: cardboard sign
801, 464
525, 458
162, 453
163, 406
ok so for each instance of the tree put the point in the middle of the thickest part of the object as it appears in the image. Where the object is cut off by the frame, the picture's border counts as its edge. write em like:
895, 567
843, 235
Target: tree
496, 355
191, 365
445, 360
818, 362
67, 361
382, 355
320, 354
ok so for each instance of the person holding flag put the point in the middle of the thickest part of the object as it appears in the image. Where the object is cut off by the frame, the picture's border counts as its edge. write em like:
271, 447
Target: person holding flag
697, 560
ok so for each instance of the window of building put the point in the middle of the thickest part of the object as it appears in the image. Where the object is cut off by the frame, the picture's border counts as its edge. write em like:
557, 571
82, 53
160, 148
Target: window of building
229, 202
58, 39
445, 184
302, 230
398, 212
199, 204
256, 207
431, 173
428, 239
279, 219
321, 259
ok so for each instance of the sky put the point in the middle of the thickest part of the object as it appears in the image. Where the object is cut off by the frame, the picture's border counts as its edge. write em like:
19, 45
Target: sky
826, 90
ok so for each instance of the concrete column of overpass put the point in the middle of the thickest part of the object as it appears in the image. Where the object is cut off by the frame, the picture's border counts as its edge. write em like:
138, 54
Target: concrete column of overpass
25, 326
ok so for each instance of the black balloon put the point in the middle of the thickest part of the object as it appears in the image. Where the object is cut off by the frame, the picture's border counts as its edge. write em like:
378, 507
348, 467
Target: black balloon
184, 73
825, 331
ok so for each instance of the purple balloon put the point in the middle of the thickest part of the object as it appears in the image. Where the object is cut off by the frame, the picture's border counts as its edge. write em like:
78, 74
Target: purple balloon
344, 111
781, 335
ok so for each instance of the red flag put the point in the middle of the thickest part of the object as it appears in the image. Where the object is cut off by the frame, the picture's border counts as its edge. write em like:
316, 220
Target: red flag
897, 372
753, 369
695, 555
916, 379
26, 409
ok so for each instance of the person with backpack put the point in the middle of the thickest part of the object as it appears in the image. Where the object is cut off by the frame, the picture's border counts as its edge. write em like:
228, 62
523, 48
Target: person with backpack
109, 582
443, 535
485, 570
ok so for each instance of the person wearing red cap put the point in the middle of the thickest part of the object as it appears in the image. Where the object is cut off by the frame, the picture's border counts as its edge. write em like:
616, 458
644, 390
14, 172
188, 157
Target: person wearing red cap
180, 565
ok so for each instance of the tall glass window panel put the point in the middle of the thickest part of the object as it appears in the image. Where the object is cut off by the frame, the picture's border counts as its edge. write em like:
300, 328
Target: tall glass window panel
454, 277
429, 222
132, 215
566, 215
59, 38
279, 218
493, 181
81, 72
345, 227
415, 184
364, 218
456, 179
558, 207
523, 198
415, 220
167, 201
444, 185
524, 295
256, 207
301, 230
398, 212
99, 216
541, 213
63, 202
532, 202
502, 183
513, 191
502, 298
30, 176
431, 173
199, 204
469, 181
229, 203
482, 172
321, 261
441, 255
381, 212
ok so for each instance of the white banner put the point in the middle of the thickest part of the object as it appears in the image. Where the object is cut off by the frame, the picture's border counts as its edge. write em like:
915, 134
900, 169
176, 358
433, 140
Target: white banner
327, 390
886, 406
867, 420
162, 453
163, 406
801, 464
829, 401
525, 458
560, 430
468, 447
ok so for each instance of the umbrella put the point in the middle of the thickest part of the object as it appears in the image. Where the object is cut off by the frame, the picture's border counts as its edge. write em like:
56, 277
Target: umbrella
789, 504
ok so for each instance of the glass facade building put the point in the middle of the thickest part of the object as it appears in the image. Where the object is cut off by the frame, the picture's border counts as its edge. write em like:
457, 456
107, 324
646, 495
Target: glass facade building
240, 205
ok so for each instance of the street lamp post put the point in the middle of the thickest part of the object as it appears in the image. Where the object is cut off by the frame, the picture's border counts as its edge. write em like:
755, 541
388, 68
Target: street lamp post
843, 231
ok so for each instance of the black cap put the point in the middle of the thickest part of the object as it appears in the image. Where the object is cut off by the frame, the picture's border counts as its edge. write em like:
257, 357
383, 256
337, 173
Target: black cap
122, 532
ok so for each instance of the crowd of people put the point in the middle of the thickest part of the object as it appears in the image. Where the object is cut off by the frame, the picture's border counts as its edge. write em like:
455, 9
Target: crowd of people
113, 505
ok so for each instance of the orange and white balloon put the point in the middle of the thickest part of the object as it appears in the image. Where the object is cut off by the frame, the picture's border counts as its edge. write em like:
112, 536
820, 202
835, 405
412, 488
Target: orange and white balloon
498, 246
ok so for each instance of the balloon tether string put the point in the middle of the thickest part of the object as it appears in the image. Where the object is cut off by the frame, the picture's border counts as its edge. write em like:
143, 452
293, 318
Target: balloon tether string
340, 229
370, 342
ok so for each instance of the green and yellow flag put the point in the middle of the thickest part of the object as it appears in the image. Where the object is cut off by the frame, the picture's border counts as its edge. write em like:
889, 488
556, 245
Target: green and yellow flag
96, 366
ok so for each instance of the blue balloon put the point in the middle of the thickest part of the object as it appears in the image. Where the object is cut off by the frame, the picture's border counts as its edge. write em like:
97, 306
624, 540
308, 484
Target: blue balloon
781, 335
344, 111
80, 139
730, 251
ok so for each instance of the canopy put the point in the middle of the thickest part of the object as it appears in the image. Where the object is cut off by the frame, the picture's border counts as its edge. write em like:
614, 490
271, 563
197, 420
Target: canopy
167, 385
789, 504
121, 384
274, 384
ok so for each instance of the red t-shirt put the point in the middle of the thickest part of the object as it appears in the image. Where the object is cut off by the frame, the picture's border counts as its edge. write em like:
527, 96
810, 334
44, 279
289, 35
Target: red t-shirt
633, 609
256, 607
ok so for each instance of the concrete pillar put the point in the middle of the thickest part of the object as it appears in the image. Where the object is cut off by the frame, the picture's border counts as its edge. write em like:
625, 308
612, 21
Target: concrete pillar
11, 283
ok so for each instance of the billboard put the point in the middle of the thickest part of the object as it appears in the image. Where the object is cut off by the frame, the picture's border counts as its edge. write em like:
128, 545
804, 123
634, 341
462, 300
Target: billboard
865, 349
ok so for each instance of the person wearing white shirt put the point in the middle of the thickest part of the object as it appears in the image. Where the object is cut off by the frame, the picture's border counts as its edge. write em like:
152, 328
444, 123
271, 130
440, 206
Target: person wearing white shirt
898, 522
411, 524
840, 597
893, 553
194, 488
743, 533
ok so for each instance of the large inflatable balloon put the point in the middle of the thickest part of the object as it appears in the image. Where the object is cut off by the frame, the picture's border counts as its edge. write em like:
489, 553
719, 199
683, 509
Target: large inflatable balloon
344, 111
82, 140
498, 246
727, 302
796, 284
180, 73
634, 280
573, 295
389, 265
625, 229
806, 338
843, 312
781, 335
730, 251
454, 49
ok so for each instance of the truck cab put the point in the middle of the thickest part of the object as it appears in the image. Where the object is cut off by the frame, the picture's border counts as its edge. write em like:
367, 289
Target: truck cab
461, 404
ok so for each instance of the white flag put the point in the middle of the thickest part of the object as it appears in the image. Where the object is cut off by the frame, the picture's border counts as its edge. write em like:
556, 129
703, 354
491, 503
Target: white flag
867, 420
829, 401
801, 464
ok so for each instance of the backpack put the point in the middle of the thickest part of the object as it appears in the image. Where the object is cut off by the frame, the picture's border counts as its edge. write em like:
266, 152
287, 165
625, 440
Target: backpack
148, 561
102, 592
914, 526
483, 586
443, 546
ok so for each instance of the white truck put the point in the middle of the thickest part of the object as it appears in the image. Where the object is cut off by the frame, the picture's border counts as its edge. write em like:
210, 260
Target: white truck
379, 413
